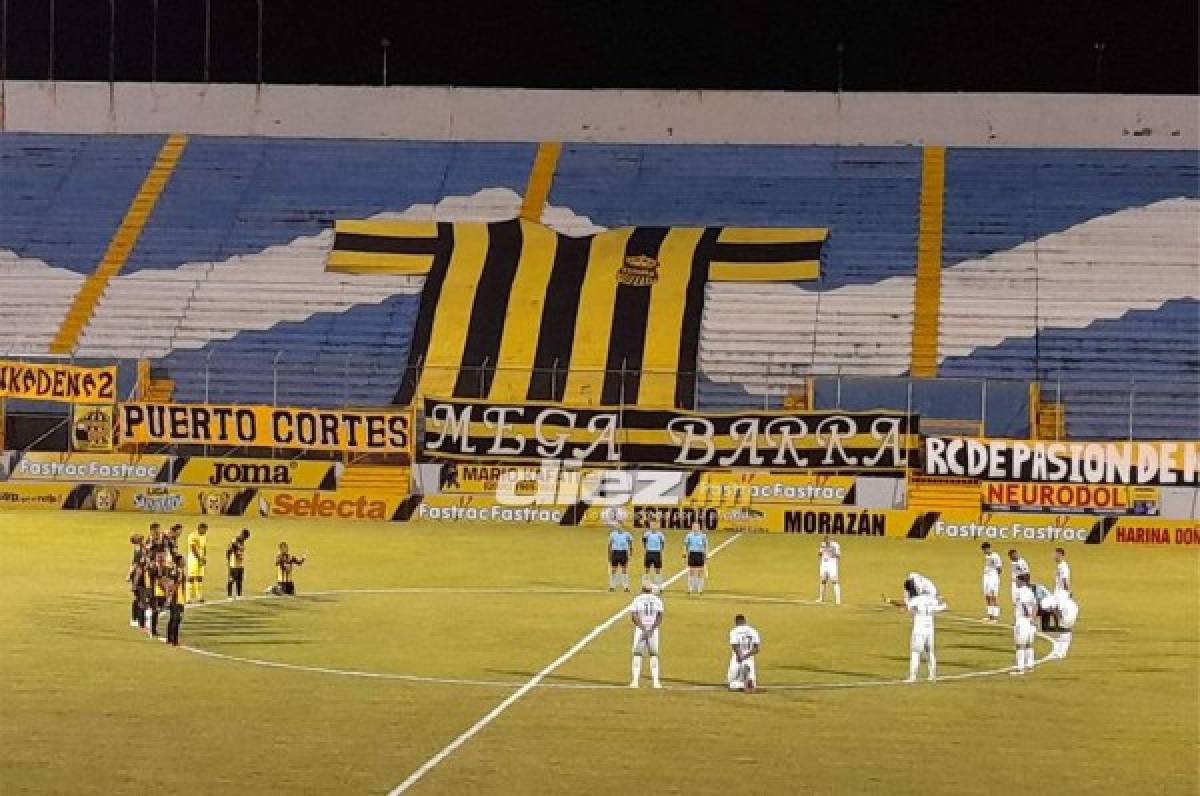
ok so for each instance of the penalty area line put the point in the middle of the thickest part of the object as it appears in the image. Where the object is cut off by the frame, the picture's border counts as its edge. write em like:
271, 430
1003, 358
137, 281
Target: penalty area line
529, 685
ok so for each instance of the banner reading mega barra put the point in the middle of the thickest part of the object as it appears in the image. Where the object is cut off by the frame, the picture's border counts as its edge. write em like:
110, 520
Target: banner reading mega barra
1138, 463
848, 441
265, 427
44, 381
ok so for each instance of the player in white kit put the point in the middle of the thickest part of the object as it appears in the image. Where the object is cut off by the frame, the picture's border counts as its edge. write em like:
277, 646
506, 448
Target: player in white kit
1025, 612
745, 642
992, 566
923, 607
921, 584
1066, 613
829, 554
646, 613
1017, 567
1062, 572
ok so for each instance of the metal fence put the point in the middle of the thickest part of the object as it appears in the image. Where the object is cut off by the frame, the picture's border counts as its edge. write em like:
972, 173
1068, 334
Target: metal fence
1095, 409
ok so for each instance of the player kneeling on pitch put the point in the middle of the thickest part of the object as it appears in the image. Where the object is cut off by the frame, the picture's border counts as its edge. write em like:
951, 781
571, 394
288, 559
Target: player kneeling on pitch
744, 640
923, 605
646, 613
285, 562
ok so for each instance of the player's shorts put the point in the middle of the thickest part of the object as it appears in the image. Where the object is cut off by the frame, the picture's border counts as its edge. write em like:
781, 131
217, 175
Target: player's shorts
829, 569
643, 646
921, 640
618, 558
991, 585
695, 558
194, 568
1023, 632
652, 559
739, 673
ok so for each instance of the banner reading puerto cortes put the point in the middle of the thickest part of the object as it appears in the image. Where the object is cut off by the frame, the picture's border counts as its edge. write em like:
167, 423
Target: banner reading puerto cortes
46, 381
822, 440
265, 427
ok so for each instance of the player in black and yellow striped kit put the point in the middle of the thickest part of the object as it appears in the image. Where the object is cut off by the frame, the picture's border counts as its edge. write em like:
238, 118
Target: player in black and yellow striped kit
235, 559
285, 562
175, 587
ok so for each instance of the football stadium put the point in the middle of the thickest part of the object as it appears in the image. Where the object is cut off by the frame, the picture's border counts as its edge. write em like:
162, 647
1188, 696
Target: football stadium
534, 439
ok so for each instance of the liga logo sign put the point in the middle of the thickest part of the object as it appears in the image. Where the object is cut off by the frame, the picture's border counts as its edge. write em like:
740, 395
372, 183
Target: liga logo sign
40, 381
857, 441
1134, 463
265, 427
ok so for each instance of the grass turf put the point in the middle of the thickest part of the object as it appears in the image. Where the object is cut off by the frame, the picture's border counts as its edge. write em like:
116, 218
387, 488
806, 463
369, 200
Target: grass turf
89, 706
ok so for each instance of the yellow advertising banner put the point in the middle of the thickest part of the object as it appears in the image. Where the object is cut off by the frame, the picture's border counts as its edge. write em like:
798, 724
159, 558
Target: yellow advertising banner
351, 504
752, 487
90, 467
360, 431
276, 473
1069, 498
33, 497
44, 381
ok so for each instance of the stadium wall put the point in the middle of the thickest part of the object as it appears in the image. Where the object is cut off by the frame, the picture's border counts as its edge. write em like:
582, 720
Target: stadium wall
470, 114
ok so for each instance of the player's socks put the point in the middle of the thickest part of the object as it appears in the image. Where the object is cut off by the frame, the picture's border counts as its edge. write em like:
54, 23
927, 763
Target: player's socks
658, 580
637, 671
699, 584
612, 581
837, 593
1020, 660
691, 583
821, 593
914, 663
1029, 658
654, 671
932, 667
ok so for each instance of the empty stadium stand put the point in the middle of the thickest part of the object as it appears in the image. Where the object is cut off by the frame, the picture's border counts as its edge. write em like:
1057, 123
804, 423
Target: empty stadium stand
1076, 268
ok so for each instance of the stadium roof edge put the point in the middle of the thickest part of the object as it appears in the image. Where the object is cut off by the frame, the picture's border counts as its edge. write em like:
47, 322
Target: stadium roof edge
604, 115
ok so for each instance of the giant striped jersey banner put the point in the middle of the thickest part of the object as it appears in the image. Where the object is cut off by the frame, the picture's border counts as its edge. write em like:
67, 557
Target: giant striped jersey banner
823, 440
514, 311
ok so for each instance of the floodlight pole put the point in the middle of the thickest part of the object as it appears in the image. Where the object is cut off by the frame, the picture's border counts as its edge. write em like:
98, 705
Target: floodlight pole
154, 42
1099, 47
258, 77
207, 37
385, 43
112, 41
50, 68
841, 50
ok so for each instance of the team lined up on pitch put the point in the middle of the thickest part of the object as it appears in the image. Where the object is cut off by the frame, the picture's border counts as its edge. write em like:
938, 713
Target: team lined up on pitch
1032, 602
163, 580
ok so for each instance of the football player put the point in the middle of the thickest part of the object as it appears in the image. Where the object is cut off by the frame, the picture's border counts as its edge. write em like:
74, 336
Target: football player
745, 642
829, 556
992, 566
646, 613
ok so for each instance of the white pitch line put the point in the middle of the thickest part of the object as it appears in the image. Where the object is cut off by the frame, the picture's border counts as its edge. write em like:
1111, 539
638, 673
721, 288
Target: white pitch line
587, 686
532, 683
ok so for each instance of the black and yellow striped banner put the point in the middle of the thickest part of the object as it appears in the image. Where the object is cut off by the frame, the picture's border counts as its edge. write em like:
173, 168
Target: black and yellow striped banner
828, 440
513, 311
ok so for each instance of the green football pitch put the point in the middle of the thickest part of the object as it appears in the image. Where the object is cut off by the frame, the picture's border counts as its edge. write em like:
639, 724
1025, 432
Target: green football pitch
405, 638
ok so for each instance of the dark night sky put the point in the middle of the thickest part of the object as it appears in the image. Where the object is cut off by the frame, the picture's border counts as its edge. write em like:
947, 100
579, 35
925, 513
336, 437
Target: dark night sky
890, 45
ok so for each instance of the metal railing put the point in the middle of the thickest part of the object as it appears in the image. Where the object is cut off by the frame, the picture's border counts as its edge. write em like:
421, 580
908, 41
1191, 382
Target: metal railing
1095, 408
